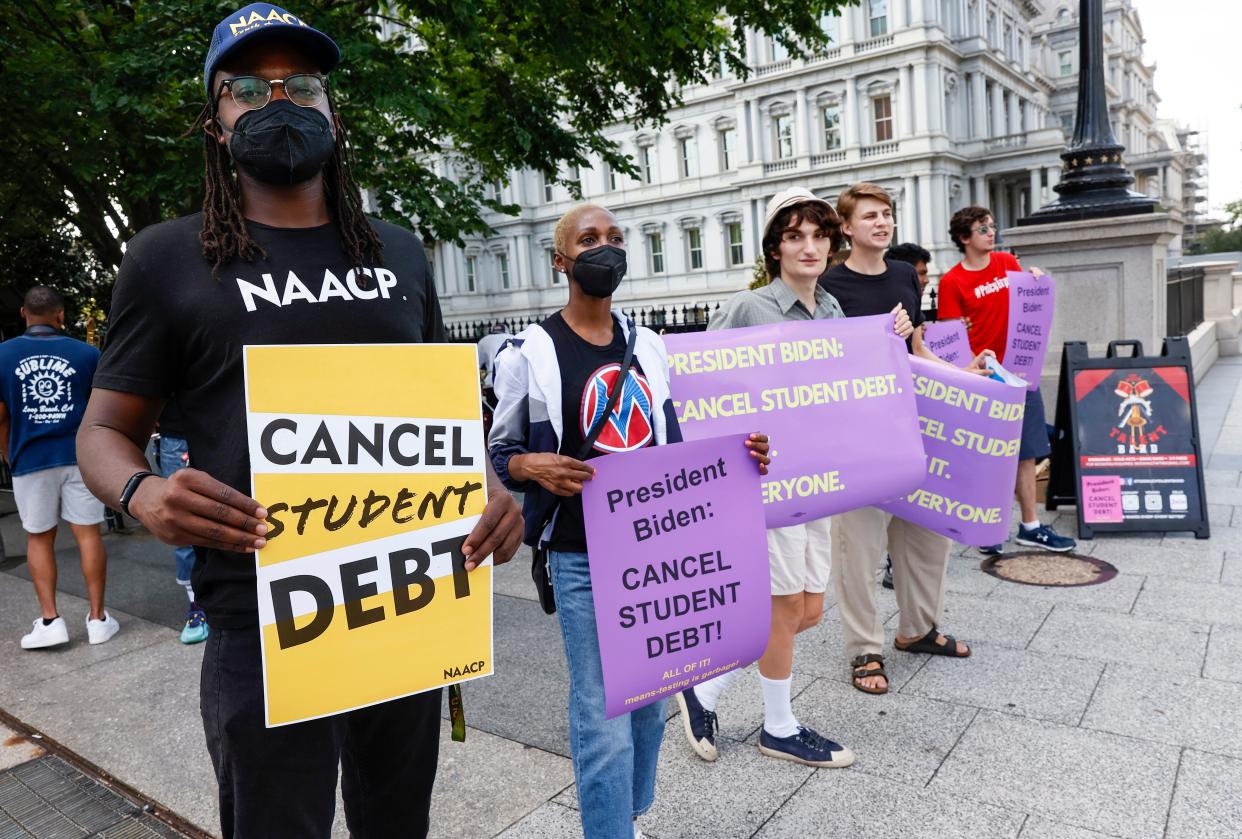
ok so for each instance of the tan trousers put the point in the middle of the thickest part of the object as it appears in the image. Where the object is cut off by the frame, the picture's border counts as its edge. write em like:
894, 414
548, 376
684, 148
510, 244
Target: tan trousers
920, 559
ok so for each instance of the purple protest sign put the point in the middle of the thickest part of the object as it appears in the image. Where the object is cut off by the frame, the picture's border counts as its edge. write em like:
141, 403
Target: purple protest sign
947, 339
1031, 303
972, 426
832, 396
679, 567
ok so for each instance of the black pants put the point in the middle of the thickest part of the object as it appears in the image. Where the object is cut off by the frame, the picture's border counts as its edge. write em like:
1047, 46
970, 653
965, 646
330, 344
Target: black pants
278, 782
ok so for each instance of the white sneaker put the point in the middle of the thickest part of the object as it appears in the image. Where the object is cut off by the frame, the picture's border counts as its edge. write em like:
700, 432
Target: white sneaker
50, 635
100, 631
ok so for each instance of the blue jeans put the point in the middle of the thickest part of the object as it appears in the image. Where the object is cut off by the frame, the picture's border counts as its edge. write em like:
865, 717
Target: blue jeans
173, 455
614, 760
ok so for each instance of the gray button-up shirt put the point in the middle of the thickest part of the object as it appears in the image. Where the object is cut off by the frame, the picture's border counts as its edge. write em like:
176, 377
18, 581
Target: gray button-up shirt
775, 302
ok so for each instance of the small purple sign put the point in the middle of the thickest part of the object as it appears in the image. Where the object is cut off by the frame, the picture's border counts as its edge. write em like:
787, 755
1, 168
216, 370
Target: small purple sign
833, 396
972, 426
679, 567
947, 339
1031, 304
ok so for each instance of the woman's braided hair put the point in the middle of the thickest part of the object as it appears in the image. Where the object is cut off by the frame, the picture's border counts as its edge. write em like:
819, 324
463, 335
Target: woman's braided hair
224, 236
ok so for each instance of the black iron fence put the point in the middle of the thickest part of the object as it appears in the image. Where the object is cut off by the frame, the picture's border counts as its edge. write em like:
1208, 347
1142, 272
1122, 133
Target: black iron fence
662, 319
1184, 294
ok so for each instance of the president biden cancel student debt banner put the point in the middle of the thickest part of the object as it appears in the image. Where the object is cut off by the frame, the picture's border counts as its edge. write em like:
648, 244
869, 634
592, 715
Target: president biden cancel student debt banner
833, 396
369, 460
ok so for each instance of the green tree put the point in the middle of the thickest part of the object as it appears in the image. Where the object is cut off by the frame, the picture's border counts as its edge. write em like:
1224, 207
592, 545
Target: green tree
1227, 238
99, 94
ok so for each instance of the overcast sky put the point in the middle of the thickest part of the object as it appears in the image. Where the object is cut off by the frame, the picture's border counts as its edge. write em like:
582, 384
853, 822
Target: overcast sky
1195, 45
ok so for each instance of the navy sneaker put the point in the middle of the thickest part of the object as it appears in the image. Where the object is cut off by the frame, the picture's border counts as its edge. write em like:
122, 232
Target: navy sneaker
887, 582
699, 724
991, 550
806, 747
1044, 537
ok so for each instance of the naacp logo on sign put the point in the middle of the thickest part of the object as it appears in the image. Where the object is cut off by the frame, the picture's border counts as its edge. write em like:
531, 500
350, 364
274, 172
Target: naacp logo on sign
629, 425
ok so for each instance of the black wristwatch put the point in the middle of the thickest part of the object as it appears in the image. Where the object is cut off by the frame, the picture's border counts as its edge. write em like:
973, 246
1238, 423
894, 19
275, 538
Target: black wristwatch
131, 486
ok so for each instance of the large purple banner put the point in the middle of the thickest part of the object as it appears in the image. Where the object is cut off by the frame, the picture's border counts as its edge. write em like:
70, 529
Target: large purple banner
1031, 303
971, 428
947, 340
679, 567
832, 395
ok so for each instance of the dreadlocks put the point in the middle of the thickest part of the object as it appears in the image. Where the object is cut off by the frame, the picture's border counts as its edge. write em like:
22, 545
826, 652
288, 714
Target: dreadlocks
224, 236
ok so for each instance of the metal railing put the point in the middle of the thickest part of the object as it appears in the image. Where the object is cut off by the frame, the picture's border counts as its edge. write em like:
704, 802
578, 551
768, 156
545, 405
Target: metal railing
662, 319
1184, 294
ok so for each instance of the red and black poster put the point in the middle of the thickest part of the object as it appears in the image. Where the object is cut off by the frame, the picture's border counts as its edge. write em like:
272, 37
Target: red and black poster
1126, 452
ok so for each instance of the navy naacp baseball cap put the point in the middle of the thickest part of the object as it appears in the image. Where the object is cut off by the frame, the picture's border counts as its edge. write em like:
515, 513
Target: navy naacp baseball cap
263, 20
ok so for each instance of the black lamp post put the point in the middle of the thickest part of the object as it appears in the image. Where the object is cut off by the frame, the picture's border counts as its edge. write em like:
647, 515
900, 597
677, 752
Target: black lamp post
1095, 182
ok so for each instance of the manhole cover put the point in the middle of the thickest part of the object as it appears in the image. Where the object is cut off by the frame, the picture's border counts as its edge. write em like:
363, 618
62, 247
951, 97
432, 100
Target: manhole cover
1049, 569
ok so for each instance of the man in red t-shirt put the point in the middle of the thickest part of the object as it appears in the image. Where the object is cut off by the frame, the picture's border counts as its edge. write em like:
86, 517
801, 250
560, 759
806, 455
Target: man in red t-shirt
976, 290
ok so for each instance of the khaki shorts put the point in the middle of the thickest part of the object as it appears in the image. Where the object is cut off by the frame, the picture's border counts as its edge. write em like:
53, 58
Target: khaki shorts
801, 557
44, 497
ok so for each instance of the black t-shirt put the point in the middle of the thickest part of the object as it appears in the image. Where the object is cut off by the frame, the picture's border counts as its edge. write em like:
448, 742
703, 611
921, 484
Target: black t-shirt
177, 331
876, 294
587, 373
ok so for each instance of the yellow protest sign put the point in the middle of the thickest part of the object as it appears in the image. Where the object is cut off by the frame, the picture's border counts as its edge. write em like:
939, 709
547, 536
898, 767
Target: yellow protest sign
370, 462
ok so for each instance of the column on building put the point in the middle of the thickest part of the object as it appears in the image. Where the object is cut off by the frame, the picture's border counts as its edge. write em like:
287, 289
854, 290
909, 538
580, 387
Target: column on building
926, 233
741, 137
897, 15
1015, 103
935, 98
906, 104
979, 191
917, 13
979, 82
802, 132
998, 109
909, 221
1015, 204
1054, 177
1037, 198
860, 131
753, 128
849, 118
938, 227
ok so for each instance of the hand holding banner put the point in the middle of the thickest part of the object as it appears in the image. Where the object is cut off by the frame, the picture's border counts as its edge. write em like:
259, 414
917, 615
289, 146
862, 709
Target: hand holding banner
371, 490
948, 340
1032, 301
832, 396
972, 426
679, 567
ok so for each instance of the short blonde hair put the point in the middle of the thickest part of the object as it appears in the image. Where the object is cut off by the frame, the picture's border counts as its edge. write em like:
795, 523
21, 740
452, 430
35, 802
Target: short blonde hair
564, 225
863, 189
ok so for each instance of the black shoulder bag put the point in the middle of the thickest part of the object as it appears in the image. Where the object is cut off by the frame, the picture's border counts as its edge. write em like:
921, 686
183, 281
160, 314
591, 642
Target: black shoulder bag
539, 554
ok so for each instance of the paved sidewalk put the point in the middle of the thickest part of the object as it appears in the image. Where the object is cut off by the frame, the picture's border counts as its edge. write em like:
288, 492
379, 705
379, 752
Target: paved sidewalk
1107, 711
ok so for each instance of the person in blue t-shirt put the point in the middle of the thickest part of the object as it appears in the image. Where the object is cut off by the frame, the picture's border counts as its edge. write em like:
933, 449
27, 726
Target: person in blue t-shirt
45, 379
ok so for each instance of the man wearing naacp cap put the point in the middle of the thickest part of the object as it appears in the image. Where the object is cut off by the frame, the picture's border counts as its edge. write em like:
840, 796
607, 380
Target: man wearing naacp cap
280, 254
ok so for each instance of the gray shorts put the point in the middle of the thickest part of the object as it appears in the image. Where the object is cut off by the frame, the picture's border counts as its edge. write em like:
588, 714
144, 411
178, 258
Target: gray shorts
44, 497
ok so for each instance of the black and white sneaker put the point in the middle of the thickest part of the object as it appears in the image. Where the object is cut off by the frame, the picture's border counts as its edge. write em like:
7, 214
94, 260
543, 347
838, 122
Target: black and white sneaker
699, 724
1044, 537
806, 747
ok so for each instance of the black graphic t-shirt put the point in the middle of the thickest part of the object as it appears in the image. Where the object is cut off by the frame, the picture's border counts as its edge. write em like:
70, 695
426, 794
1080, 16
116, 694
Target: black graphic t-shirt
587, 373
177, 331
876, 294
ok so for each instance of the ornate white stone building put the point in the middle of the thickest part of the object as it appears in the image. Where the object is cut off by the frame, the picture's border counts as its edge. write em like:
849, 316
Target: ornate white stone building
943, 102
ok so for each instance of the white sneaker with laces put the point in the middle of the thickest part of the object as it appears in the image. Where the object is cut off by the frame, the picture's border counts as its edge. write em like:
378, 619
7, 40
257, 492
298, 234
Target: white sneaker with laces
50, 635
100, 631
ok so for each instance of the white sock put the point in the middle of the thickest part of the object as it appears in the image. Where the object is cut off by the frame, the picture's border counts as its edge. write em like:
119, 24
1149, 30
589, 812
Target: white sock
708, 692
1031, 525
189, 590
778, 715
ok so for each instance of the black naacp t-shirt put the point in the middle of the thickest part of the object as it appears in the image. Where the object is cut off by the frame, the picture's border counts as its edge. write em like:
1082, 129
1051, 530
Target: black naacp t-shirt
587, 373
177, 331
876, 294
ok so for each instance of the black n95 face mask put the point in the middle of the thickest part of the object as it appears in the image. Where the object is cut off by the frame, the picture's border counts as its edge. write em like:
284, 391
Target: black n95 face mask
600, 270
282, 143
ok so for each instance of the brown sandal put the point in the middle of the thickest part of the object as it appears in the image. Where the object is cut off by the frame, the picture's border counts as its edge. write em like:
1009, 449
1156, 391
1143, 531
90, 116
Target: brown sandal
861, 671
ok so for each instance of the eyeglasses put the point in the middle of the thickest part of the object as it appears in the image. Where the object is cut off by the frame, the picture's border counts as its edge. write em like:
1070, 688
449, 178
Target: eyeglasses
251, 93
985, 229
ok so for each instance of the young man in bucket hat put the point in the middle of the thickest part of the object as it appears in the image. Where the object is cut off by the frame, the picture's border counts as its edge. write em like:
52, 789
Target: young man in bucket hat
281, 254
801, 232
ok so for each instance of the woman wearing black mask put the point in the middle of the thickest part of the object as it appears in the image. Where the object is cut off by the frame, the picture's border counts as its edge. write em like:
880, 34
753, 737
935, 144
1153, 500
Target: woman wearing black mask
553, 384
